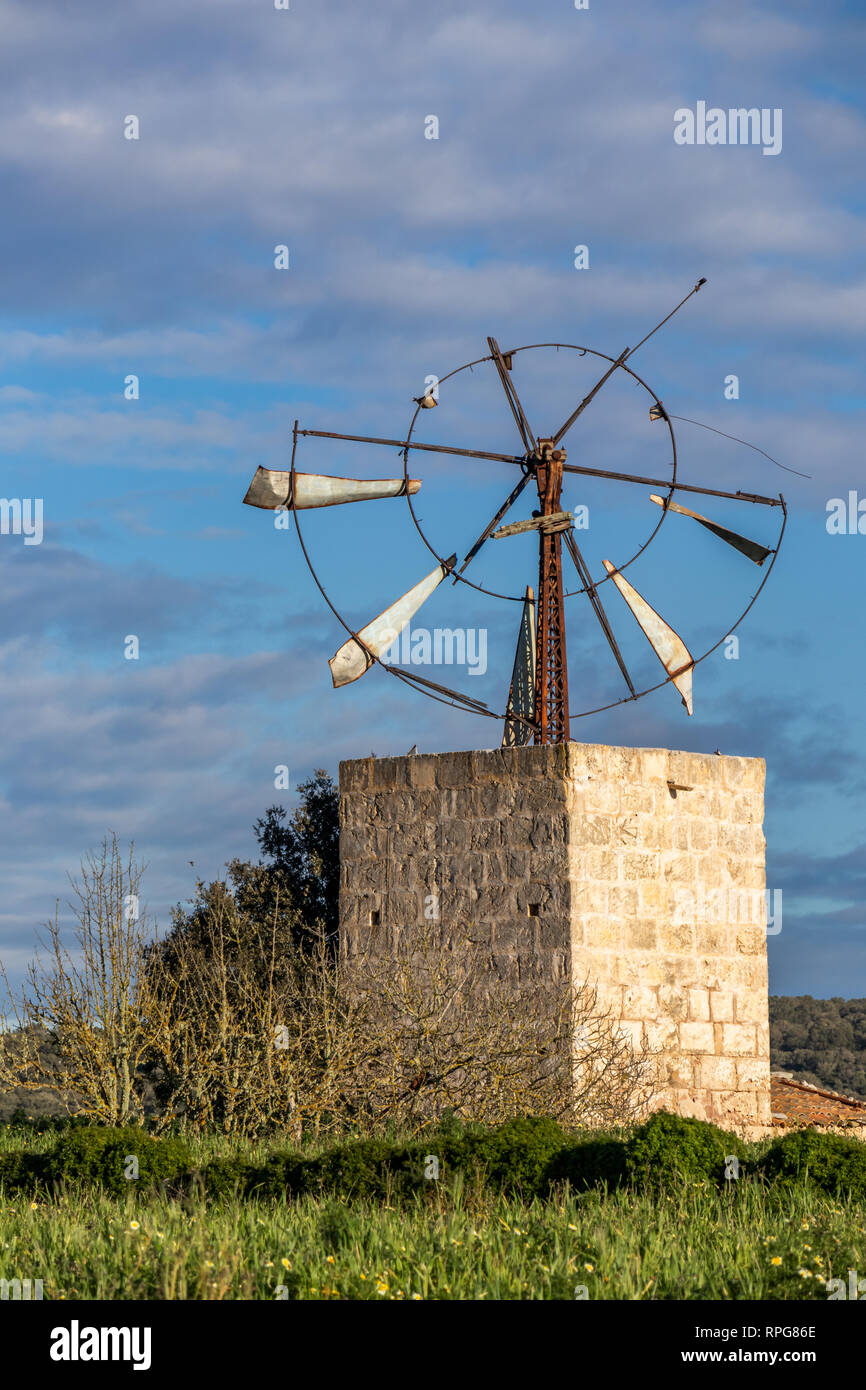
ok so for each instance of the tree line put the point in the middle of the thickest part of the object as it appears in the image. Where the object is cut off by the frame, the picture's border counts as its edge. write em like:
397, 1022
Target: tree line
822, 1041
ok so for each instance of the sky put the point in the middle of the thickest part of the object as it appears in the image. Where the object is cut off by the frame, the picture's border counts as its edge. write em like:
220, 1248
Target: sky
308, 127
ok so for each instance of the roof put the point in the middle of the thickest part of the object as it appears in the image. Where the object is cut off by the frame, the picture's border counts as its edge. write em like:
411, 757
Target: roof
797, 1103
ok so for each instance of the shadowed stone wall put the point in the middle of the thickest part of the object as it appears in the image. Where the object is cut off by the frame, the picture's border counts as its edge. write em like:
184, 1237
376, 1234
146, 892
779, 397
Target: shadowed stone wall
639, 869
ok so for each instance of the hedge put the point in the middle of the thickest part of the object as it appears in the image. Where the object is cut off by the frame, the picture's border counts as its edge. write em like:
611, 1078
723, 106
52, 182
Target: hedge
829, 1162
525, 1157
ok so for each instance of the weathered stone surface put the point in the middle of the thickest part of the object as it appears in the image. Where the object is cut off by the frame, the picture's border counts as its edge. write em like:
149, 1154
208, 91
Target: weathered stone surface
721, 1006
577, 861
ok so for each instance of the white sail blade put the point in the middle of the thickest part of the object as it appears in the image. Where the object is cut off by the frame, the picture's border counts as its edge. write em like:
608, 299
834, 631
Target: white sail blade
272, 488
356, 657
752, 549
670, 649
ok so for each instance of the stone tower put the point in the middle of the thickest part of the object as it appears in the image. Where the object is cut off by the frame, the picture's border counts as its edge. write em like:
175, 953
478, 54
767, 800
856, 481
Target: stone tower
639, 869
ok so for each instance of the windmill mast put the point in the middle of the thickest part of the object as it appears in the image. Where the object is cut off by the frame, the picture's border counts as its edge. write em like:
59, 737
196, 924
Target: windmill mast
551, 668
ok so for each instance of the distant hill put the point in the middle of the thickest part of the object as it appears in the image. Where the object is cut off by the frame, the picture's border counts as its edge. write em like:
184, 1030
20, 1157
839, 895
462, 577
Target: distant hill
822, 1041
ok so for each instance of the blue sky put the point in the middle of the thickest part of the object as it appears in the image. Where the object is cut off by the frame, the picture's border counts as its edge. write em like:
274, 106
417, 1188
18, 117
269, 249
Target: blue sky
305, 127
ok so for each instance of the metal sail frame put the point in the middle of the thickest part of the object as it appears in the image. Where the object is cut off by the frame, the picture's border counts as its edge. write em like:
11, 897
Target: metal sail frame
544, 463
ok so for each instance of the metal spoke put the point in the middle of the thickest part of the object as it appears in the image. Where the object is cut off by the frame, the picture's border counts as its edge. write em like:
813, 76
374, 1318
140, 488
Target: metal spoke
661, 482
513, 399
621, 359
443, 689
494, 521
410, 444
567, 467
586, 400
661, 324
596, 602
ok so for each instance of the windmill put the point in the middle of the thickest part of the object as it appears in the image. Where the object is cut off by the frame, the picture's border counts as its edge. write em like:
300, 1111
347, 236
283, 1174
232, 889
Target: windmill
538, 700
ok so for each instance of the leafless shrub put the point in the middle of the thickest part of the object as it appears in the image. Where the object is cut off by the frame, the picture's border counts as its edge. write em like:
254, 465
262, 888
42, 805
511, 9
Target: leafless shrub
94, 1004
246, 1028
452, 1033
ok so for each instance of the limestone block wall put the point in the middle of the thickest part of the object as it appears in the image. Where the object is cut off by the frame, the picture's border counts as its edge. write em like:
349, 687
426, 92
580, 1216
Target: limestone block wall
667, 891
639, 869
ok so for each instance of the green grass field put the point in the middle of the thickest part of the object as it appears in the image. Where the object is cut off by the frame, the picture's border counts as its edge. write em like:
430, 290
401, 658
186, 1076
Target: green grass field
454, 1243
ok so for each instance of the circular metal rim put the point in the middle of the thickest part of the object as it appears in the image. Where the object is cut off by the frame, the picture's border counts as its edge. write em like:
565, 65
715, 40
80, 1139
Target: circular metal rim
490, 714
529, 347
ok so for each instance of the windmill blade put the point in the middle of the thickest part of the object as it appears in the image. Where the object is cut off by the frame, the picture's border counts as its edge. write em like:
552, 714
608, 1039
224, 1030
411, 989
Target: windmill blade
358, 654
272, 488
521, 695
670, 649
752, 549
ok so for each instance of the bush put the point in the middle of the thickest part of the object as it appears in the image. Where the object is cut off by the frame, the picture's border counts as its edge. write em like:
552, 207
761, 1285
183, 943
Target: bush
281, 1175
513, 1158
830, 1162
670, 1149
100, 1154
374, 1168
521, 1157
229, 1177
23, 1170
587, 1162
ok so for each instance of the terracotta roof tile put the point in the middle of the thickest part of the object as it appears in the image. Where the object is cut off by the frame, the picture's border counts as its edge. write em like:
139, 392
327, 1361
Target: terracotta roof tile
796, 1103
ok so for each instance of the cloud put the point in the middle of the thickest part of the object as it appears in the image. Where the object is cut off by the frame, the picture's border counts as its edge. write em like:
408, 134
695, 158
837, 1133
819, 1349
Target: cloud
306, 127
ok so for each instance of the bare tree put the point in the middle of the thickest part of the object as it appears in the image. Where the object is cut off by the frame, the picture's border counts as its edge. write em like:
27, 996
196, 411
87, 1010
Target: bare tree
93, 1002
450, 1032
258, 1035
248, 1025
